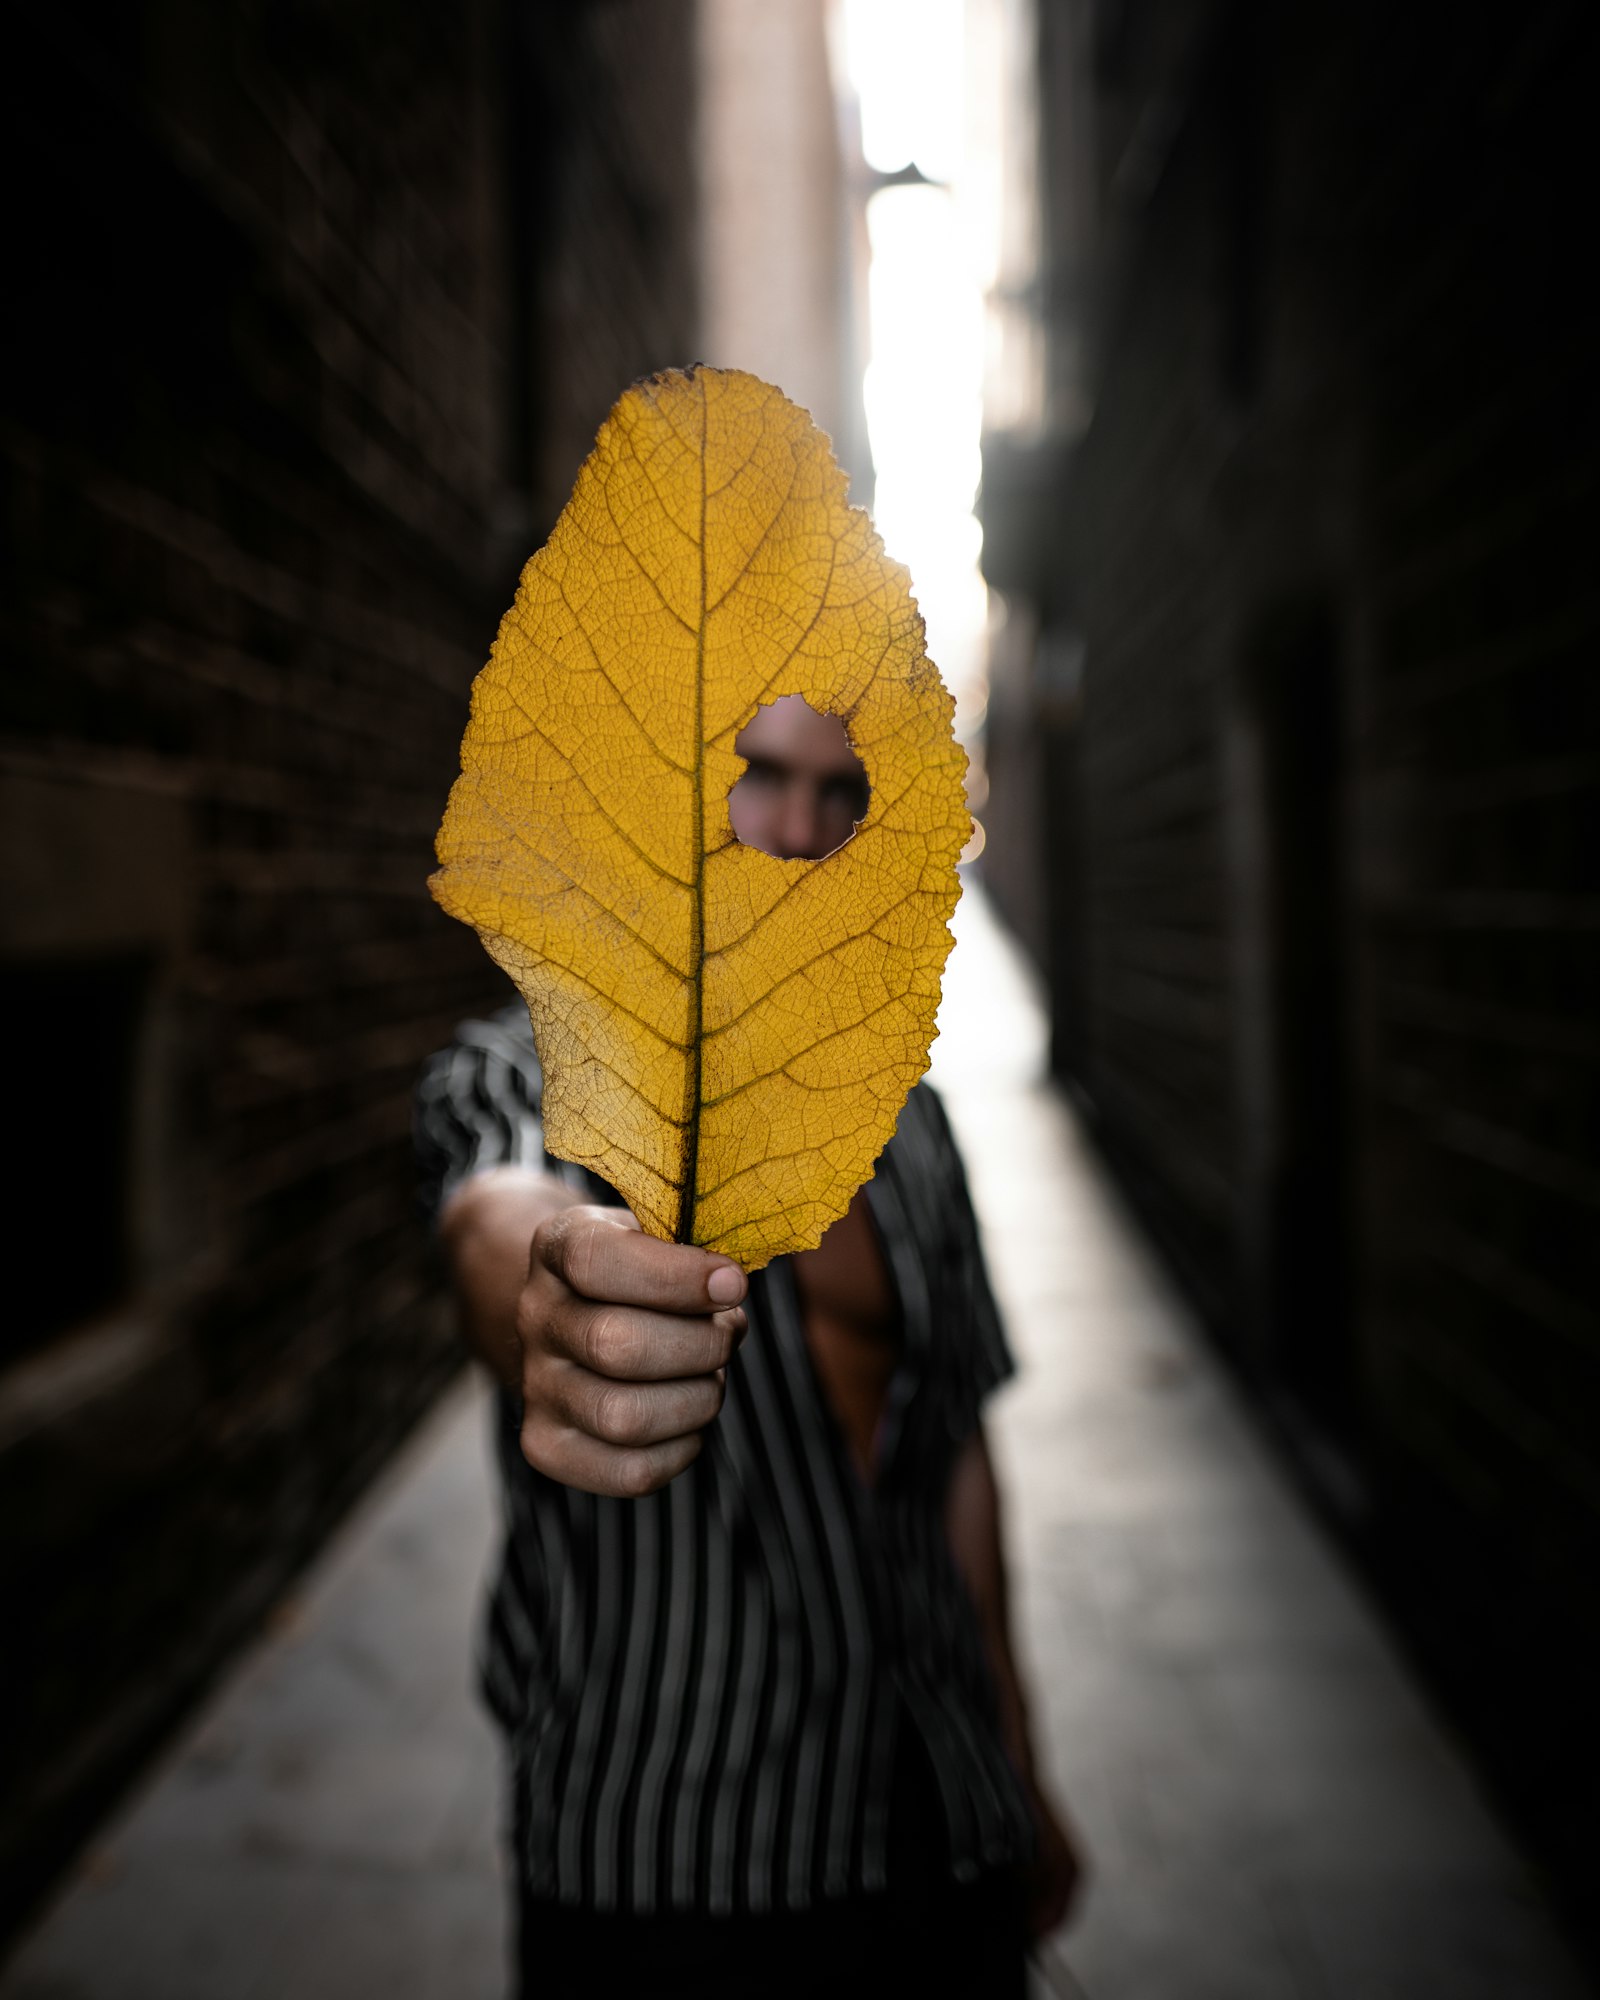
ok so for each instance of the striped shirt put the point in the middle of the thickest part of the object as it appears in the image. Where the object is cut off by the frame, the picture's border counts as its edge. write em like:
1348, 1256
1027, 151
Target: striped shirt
701, 1689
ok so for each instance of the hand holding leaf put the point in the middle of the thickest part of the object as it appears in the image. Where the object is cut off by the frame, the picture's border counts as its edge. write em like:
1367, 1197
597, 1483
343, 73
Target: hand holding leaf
727, 1037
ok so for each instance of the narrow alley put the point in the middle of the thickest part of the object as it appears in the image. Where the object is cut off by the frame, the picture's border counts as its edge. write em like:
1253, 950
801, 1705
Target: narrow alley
1270, 1810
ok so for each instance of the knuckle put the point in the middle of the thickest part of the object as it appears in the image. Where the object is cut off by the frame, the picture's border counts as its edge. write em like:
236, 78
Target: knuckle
577, 1256
530, 1386
536, 1368
615, 1342
641, 1472
584, 1247
532, 1317
620, 1416
550, 1239
630, 1475
534, 1440
548, 1405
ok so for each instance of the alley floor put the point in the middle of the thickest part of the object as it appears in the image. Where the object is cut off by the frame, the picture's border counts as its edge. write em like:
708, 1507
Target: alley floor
1270, 1809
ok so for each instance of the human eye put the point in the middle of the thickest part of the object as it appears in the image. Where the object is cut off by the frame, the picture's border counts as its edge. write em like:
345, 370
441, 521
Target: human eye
761, 773
849, 793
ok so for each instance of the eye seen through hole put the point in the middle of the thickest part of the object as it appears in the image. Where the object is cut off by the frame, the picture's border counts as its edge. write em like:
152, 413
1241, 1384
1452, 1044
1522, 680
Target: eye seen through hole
805, 790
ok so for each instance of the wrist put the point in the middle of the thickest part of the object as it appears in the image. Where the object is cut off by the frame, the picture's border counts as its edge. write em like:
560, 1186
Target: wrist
486, 1229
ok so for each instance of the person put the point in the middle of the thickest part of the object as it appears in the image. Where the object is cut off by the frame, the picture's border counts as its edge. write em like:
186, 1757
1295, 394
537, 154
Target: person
749, 1639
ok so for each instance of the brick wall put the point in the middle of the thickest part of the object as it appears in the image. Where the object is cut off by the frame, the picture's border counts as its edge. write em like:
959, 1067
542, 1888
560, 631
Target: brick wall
316, 310
1327, 547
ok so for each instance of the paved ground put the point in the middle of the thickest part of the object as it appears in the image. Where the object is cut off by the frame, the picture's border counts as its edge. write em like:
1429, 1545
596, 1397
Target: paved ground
1272, 1812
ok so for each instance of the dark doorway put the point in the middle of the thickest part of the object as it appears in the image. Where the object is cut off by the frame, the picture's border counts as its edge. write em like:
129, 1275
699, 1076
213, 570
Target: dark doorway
70, 1033
1295, 1038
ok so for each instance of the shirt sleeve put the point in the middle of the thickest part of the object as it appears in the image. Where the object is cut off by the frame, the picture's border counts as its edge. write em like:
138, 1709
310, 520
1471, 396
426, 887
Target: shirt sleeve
986, 1357
972, 1355
477, 1106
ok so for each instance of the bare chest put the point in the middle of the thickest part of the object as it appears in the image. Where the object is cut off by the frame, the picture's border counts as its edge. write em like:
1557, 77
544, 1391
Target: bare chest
852, 1325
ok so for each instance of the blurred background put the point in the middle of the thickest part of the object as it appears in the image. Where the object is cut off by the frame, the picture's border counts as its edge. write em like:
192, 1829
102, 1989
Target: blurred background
1224, 375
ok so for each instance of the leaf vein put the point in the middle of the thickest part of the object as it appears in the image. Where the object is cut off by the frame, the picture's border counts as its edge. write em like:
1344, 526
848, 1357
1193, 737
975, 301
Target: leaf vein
523, 840
774, 1160
833, 1035
619, 1006
592, 1055
645, 474
600, 805
760, 541
610, 1147
638, 562
607, 676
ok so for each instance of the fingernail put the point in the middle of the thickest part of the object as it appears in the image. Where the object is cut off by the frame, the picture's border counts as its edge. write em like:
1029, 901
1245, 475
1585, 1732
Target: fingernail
725, 1286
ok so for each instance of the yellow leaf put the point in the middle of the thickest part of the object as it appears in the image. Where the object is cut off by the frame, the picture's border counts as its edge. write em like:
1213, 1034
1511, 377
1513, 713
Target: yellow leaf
727, 1037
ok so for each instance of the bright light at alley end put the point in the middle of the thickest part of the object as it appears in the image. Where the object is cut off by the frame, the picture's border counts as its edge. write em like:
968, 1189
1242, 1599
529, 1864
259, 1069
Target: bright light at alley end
933, 252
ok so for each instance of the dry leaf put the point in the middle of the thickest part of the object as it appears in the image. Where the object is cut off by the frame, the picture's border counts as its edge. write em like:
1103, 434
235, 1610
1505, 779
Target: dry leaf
727, 1038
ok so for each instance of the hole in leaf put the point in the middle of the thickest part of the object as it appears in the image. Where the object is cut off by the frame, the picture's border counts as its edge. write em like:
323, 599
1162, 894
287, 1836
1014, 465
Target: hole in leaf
804, 790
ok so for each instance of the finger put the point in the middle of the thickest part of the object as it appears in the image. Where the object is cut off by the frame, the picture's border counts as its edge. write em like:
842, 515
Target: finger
603, 1258
624, 1473
637, 1413
629, 1344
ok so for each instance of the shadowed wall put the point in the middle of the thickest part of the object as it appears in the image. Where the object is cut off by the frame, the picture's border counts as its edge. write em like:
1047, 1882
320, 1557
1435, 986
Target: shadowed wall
1306, 703
315, 311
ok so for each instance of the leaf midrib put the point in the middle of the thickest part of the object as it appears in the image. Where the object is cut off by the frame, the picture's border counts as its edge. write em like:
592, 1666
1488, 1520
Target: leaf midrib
697, 904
